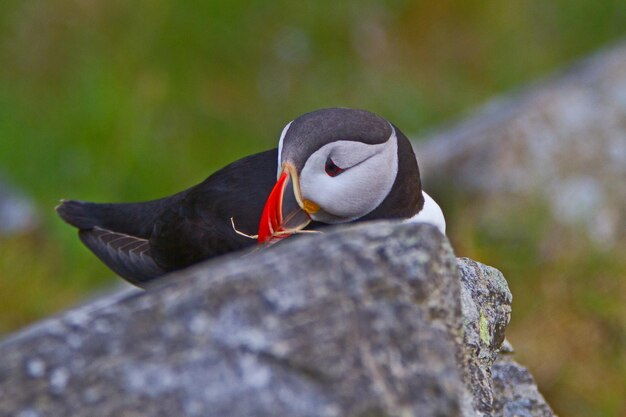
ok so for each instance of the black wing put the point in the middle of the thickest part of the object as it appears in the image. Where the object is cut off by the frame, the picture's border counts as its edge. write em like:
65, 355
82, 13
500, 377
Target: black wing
141, 241
128, 256
200, 226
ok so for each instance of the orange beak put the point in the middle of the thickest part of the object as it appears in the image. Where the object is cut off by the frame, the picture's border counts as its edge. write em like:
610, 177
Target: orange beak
285, 213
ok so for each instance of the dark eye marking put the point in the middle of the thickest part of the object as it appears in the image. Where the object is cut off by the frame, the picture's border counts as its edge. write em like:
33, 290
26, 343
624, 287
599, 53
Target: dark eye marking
332, 169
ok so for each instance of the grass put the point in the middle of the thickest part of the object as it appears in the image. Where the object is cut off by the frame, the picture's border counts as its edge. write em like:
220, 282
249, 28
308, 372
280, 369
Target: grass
115, 100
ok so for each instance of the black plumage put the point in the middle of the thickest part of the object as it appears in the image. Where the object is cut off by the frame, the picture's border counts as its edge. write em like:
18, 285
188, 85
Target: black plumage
141, 241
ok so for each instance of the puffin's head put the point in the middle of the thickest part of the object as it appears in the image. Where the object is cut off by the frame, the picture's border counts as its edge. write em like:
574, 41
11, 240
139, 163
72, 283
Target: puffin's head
339, 165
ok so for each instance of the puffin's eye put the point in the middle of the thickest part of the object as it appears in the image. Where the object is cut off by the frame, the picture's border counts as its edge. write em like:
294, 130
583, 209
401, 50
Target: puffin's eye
331, 169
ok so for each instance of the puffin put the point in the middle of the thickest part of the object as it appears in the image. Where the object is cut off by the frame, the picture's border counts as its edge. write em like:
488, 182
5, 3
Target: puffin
332, 166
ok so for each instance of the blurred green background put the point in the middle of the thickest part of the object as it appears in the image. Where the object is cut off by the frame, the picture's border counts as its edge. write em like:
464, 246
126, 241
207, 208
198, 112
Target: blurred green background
116, 100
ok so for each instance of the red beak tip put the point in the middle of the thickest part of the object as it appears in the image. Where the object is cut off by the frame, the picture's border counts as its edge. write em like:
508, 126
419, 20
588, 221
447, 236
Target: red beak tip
272, 216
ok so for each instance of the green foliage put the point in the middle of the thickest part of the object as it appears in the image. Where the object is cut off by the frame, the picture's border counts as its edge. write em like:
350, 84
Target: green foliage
116, 100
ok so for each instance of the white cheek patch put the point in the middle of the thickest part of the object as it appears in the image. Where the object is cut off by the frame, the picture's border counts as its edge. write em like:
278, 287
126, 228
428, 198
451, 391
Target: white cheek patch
370, 171
280, 147
346, 154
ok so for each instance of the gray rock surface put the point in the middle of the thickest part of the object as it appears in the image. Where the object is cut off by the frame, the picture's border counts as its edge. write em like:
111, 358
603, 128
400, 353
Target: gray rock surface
515, 391
563, 140
499, 386
17, 213
386, 328
486, 307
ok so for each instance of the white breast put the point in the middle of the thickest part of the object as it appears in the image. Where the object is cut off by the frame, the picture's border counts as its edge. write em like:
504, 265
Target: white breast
431, 213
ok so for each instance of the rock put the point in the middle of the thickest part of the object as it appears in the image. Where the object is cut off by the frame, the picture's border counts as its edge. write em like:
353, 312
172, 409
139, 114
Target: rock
563, 140
500, 387
367, 320
17, 213
296, 330
515, 391
486, 306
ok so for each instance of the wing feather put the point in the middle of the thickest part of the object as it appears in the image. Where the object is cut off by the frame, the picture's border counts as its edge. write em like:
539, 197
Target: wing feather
128, 256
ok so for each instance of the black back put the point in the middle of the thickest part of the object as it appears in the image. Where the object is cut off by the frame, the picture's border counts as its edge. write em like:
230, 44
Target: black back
141, 241
199, 226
